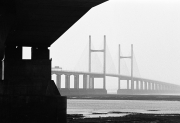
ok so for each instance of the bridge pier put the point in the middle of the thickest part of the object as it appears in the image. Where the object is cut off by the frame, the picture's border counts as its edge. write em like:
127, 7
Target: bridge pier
67, 81
132, 85
58, 80
128, 84
84, 81
141, 86
76, 82
145, 85
149, 86
153, 88
137, 84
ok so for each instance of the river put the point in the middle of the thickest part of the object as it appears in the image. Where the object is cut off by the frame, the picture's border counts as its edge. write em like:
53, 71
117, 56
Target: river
104, 108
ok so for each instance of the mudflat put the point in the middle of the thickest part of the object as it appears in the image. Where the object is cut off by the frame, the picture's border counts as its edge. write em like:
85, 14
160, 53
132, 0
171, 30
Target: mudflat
131, 118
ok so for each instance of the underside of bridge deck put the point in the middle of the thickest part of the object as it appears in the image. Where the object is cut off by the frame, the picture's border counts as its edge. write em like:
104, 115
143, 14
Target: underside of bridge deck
27, 93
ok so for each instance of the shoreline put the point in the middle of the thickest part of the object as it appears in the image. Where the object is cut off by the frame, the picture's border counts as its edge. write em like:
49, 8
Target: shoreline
127, 97
130, 118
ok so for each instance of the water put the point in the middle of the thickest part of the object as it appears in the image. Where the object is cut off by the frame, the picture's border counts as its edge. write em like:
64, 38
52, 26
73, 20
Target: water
104, 108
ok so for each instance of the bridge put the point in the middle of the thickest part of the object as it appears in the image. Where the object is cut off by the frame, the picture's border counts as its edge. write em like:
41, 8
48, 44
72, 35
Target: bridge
134, 85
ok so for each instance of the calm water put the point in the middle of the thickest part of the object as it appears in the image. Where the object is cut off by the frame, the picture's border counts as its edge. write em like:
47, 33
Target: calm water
103, 108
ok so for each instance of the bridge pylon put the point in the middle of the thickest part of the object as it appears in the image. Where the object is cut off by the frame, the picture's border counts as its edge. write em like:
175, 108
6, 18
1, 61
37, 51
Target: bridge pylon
91, 78
119, 70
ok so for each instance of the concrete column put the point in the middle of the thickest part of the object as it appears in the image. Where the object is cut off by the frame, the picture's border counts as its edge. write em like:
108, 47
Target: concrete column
137, 85
132, 85
104, 67
93, 83
67, 82
141, 85
104, 82
153, 86
145, 85
76, 81
84, 81
167, 87
90, 81
58, 80
127, 84
149, 85
119, 83
160, 87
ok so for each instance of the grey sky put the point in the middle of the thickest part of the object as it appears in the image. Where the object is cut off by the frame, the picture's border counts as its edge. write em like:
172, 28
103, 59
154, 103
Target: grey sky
153, 26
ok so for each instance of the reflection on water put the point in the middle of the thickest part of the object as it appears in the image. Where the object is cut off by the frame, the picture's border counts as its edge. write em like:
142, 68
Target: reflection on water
104, 108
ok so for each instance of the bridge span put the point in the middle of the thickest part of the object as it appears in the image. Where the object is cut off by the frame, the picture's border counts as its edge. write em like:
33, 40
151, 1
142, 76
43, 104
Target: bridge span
134, 85
137, 87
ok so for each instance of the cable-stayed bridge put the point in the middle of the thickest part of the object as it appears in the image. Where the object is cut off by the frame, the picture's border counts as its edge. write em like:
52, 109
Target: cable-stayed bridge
81, 81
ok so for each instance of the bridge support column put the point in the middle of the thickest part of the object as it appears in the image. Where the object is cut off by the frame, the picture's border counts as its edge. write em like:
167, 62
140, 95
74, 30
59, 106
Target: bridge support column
127, 84
137, 84
84, 81
104, 82
132, 84
141, 85
160, 87
67, 82
153, 86
119, 83
91, 82
76, 82
58, 80
149, 86
145, 85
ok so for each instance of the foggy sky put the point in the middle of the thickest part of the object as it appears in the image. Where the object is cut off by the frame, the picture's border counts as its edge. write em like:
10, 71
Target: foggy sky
152, 26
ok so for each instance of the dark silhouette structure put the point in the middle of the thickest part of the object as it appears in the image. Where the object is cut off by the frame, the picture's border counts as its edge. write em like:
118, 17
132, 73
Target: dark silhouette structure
27, 93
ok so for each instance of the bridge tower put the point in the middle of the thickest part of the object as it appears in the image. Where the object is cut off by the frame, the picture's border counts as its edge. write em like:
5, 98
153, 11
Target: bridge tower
91, 77
119, 71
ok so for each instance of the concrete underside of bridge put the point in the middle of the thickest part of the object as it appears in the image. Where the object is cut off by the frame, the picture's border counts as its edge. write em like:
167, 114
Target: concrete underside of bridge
66, 92
27, 93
